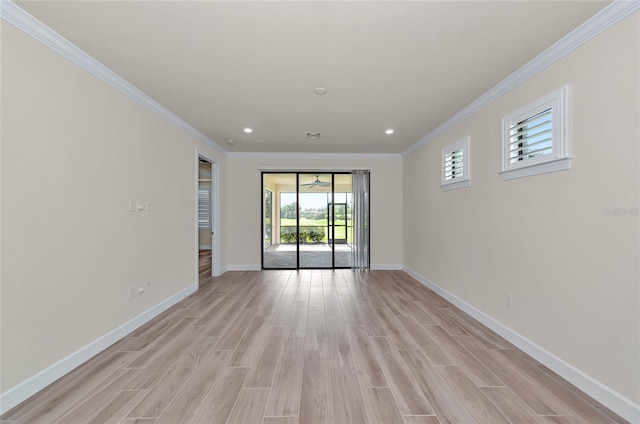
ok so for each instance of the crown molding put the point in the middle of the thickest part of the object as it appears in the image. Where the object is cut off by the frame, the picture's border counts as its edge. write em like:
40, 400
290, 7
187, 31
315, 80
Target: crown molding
598, 23
290, 155
22, 20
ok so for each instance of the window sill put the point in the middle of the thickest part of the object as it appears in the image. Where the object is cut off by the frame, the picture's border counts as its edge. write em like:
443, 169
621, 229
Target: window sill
539, 168
456, 185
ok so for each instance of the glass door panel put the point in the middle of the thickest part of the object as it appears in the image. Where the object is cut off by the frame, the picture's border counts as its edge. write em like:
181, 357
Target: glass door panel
314, 194
282, 253
342, 221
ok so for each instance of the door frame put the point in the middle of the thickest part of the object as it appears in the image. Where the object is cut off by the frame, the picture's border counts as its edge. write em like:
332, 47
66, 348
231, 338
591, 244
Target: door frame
297, 172
215, 213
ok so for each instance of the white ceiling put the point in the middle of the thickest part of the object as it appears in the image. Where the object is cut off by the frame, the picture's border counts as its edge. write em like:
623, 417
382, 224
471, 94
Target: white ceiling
222, 66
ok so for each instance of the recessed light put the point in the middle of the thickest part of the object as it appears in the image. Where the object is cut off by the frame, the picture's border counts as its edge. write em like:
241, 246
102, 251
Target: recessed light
389, 131
231, 142
248, 130
320, 91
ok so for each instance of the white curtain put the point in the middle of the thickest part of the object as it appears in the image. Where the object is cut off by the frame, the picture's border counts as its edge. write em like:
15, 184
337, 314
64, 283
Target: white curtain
360, 251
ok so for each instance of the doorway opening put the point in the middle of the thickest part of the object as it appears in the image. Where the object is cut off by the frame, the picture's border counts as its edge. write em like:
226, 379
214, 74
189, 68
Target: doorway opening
307, 220
207, 217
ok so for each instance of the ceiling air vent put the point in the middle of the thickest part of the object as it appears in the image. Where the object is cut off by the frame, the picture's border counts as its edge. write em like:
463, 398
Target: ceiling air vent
312, 135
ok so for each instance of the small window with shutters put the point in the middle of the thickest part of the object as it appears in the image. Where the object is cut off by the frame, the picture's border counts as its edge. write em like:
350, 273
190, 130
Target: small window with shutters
204, 207
535, 139
455, 165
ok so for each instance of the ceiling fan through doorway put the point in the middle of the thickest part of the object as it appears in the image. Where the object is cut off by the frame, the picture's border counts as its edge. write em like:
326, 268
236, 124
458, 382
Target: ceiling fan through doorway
316, 183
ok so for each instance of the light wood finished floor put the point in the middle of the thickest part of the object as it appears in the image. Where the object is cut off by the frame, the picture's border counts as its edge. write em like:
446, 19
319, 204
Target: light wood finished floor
204, 263
287, 347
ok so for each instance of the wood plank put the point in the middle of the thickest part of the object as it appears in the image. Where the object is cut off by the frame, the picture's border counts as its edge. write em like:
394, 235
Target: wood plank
220, 324
280, 420
285, 392
348, 405
138, 421
578, 407
298, 320
349, 311
315, 398
511, 405
600, 407
316, 297
235, 331
421, 419
479, 406
392, 303
291, 289
380, 406
264, 368
370, 319
249, 407
478, 373
487, 337
445, 404
283, 311
250, 344
219, 401
185, 405
560, 419
396, 332
165, 359
366, 364
339, 350
331, 303
116, 410
86, 407
61, 400
303, 293
425, 342
270, 304
173, 340
409, 397
316, 331
441, 319
169, 384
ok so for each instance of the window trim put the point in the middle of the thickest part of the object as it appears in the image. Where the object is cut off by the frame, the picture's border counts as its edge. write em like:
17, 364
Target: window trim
559, 158
465, 180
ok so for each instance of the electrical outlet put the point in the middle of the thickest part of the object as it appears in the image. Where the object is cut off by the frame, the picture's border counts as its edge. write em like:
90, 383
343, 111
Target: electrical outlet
508, 299
132, 292
147, 285
147, 206
132, 206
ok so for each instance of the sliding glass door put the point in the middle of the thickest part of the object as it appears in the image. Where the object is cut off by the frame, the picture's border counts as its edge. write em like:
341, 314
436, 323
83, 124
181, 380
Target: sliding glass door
310, 224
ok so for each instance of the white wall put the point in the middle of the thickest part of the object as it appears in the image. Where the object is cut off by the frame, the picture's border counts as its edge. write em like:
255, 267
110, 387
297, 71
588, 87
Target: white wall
244, 197
572, 269
70, 248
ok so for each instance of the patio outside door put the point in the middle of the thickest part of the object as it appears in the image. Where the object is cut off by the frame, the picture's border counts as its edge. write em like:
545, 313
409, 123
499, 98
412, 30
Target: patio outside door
310, 223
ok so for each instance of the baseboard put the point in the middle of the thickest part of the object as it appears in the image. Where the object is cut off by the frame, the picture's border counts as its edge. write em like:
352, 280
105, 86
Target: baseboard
379, 267
34, 384
243, 268
387, 267
619, 404
221, 271
204, 247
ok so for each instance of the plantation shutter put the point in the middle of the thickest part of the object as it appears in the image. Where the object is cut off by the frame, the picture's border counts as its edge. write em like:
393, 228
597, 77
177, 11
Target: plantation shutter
454, 164
204, 207
531, 137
